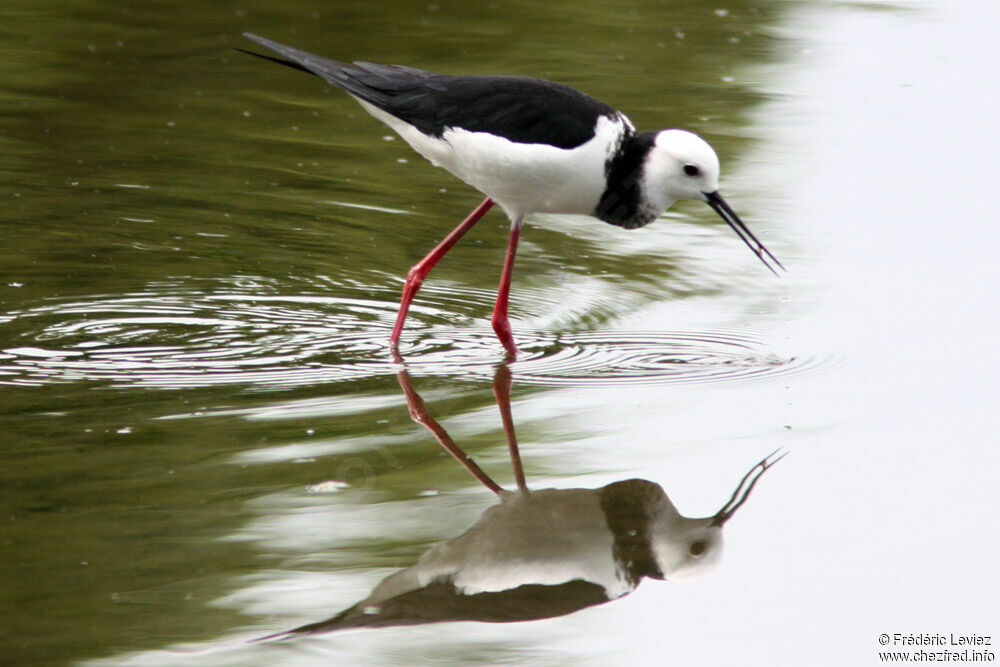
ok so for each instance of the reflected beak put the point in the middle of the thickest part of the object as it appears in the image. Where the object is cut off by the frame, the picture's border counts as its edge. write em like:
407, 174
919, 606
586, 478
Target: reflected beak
716, 201
746, 485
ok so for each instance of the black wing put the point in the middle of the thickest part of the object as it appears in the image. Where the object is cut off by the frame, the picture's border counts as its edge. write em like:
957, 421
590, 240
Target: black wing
520, 109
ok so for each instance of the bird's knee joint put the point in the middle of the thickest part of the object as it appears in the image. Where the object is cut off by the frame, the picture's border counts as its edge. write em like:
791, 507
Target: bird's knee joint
414, 279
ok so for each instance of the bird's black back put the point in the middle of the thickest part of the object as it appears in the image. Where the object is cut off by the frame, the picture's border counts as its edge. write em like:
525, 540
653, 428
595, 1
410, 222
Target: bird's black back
520, 109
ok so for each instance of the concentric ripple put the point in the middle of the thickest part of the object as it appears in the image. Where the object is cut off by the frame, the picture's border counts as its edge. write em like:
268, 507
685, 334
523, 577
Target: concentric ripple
180, 339
184, 340
629, 357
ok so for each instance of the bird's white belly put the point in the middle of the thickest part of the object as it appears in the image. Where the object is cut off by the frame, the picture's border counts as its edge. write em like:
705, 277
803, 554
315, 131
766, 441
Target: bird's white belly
522, 178
527, 178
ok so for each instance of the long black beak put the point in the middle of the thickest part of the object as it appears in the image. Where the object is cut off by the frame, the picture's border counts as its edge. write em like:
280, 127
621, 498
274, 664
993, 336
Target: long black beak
716, 201
746, 485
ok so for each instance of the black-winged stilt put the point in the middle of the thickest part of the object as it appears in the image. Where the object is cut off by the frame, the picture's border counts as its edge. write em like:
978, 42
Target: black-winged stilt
531, 146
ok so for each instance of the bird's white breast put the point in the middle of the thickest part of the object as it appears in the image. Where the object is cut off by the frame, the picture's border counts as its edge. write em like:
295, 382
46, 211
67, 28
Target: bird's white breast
522, 178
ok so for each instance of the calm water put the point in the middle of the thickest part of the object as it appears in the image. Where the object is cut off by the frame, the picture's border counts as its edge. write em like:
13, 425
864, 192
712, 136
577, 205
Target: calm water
206, 440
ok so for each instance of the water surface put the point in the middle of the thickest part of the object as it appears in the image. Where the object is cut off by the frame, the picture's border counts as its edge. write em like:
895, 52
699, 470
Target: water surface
205, 438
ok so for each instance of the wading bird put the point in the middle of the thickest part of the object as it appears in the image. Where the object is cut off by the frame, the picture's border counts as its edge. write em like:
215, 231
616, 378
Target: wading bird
531, 146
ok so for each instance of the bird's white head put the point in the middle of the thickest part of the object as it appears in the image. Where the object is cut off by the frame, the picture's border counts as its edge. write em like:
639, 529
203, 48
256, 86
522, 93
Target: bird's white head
681, 165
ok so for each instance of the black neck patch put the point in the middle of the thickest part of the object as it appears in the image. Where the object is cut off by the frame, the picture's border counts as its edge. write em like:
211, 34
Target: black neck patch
622, 202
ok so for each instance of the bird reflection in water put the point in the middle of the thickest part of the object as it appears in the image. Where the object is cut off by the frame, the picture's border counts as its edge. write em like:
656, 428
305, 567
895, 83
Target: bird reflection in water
543, 553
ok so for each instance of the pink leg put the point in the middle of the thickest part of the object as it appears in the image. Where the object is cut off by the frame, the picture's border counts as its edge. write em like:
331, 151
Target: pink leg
501, 325
415, 278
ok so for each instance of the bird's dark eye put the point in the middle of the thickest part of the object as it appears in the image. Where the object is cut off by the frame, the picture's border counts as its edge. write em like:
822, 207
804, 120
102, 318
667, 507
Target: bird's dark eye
697, 548
691, 170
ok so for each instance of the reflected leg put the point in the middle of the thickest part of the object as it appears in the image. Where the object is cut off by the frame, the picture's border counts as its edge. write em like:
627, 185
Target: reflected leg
419, 413
501, 390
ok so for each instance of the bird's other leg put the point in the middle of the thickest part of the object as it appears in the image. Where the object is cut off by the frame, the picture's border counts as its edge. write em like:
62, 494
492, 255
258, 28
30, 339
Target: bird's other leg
501, 324
415, 278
